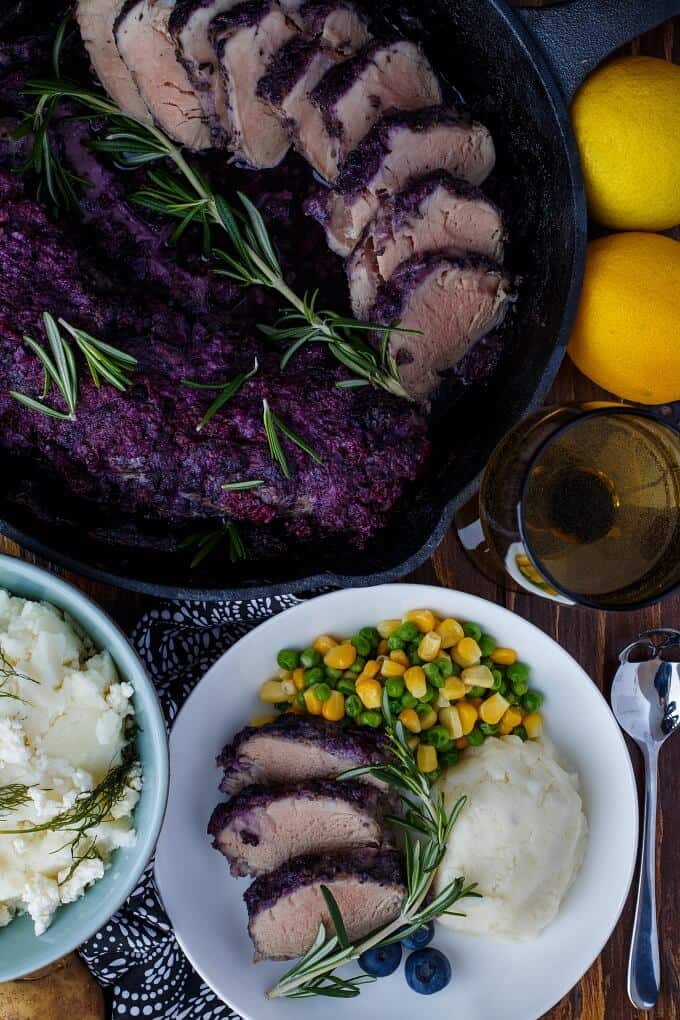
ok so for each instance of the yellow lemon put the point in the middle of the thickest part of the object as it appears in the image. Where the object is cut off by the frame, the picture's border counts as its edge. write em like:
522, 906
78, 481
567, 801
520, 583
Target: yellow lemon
627, 332
626, 118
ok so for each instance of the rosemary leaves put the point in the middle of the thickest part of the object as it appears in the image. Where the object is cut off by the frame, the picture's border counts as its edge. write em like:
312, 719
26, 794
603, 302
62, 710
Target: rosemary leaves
206, 541
272, 427
225, 391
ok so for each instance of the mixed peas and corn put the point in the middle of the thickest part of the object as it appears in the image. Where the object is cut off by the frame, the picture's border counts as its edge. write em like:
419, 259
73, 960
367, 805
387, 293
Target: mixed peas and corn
449, 683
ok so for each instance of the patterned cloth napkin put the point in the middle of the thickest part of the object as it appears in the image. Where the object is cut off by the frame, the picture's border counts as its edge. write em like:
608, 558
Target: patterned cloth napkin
136, 953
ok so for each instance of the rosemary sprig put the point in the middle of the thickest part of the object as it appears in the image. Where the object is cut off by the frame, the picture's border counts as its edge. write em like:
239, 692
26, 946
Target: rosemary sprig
226, 391
12, 797
272, 426
8, 672
59, 367
207, 541
427, 827
253, 483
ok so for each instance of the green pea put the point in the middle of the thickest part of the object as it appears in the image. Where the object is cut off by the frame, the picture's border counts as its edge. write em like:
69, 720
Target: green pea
282, 706
498, 681
357, 665
315, 675
439, 737
477, 692
532, 701
310, 657
408, 700
353, 706
520, 687
486, 661
486, 644
362, 645
288, 659
475, 737
333, 674
395, 643
300, 700
321, 691
520, 732
432, 673
511, 698
407, 631
394, 685
345, 685
395, 707
412, 653
503, 689
448, 757
473, 631
429, 695
371, 635
371, 718
488, 729
455, 669
445, 667
517, 671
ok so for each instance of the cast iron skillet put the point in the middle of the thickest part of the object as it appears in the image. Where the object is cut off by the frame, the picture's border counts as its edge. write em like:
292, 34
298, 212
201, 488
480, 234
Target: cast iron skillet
501, 61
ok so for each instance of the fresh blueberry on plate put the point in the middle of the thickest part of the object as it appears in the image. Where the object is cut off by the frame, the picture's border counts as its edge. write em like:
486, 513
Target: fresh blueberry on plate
419, 938
427, 971
381, 961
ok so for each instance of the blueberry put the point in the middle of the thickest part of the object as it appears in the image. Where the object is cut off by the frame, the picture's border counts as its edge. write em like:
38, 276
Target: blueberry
419, 938
427, 971
382, 961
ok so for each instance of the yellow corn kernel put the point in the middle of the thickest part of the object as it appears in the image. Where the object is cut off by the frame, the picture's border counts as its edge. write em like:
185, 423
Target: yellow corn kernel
453, 688
391, 668
450, 720
398, 656
504, 656
424, 619
477, 676
426, 757
261, 720
387, 627
283, 674
271, 691
461, 743
288, 687
341, 656
299, 678
294, 709
468, 716
371, 668
333, 708
416, 681
383, 648
441, 701
428, 719
533, 724
511, 718
411, 720
324, 643
429, 646
493, 709
314, 706
413, 741
467, 652
370, 692
450, 631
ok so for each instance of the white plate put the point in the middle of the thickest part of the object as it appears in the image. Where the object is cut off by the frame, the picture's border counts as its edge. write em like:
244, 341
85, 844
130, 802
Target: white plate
491, 979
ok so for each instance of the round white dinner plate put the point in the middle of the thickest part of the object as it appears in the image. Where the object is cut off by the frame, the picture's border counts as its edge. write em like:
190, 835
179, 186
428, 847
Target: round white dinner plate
491, 980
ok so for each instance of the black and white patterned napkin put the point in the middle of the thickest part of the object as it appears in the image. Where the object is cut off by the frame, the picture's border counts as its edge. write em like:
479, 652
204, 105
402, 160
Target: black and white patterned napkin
136, 954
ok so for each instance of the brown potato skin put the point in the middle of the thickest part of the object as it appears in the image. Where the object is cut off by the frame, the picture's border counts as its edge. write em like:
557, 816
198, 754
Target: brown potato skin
64, 991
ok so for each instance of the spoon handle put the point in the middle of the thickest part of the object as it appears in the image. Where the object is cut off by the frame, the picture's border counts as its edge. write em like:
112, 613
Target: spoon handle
644, 972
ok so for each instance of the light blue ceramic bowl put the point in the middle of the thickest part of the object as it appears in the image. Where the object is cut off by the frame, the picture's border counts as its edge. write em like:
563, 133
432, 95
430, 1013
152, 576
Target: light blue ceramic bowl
22, 952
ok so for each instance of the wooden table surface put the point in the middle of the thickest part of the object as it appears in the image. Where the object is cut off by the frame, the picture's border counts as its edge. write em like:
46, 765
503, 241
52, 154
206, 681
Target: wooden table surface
594, 639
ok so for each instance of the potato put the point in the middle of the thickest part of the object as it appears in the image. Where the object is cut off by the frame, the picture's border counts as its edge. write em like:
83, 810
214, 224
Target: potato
62, 992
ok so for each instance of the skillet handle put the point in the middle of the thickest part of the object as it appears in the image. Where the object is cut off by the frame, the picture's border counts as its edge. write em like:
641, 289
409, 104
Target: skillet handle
575, 37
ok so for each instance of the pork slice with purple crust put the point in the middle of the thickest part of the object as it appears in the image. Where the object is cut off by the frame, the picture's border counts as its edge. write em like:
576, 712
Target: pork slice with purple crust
148, 51
352, 95
338, 31
264, 826
400, 146
286, 907
294, 749
432, 213
245, 38
451, 300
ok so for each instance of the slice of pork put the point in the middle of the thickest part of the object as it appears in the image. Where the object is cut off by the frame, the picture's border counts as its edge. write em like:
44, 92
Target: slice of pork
286, 907
299, 66
352, 95
264, 826
452, 300
399, 147
245, 39
95, 20
190, 28
295, 748
148, 50
431, 214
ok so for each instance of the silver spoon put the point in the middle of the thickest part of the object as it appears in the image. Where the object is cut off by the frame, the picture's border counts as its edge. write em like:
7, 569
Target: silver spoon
646, 703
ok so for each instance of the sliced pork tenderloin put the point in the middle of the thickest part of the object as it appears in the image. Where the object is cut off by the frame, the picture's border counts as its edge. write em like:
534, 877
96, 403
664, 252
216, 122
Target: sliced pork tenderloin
264, 826
432, 213
400, 146
96, 19
299, 66
148, 50
295, 748
336, 24
352, 95
245, 38
451, 300
286, 907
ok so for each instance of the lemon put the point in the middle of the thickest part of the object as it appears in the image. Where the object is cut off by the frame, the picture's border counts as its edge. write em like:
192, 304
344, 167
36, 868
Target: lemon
627, 332
626, 118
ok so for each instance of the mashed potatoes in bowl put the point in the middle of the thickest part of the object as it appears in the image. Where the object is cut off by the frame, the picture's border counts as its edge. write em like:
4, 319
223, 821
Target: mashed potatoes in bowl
521, 836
